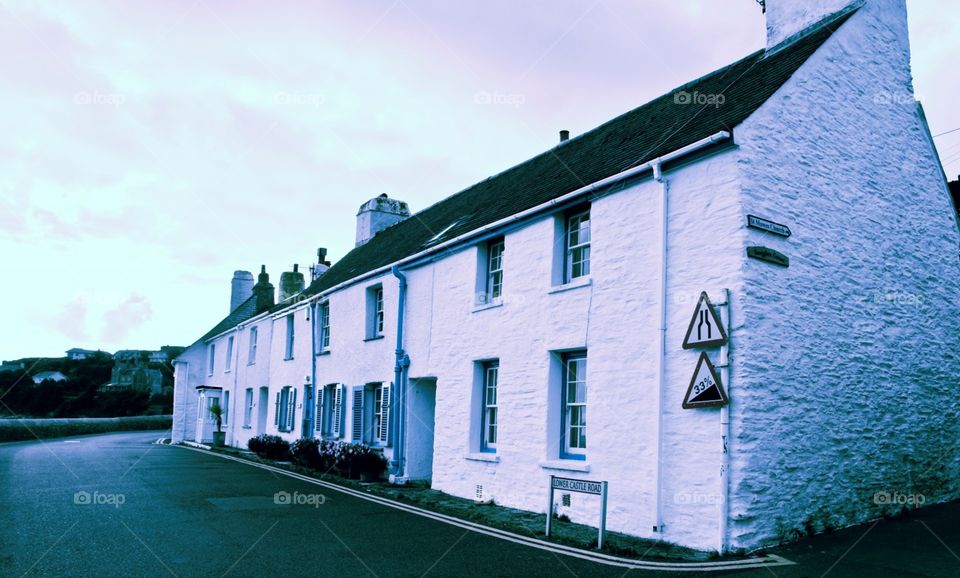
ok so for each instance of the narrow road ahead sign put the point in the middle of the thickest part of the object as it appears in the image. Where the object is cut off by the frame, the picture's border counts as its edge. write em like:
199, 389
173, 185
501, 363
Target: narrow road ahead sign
705, 389
705, 329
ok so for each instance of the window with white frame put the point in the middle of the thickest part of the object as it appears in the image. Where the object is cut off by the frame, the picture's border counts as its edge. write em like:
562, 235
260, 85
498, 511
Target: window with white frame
288, 350
285, 410
247, 407
488, 417
229, 362
375, 312
252, 353
574, 405
577, 245
323, 326
494, 271
212, 358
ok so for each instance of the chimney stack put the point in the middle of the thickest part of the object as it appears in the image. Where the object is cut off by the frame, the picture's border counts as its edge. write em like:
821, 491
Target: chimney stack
263, 290
377, 214
564, 135
291, 283
786, 18
241, 288
322, 264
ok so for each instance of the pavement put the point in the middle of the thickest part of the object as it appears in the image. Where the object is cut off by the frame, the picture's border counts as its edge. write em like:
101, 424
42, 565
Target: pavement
120, 505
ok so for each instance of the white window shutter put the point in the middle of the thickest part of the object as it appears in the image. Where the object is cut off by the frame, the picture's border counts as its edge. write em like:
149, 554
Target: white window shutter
318, 424
356, 435
338, 411
291, 408
383, 435
276, 412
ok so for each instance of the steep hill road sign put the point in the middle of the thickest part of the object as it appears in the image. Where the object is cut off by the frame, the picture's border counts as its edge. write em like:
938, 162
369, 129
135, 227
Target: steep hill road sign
706, 329
705, 389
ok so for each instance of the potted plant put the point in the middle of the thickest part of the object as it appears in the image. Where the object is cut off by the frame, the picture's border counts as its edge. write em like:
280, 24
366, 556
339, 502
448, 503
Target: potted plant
219, 436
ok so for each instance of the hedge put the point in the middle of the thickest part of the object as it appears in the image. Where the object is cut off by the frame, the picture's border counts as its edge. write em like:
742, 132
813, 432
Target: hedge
29, 429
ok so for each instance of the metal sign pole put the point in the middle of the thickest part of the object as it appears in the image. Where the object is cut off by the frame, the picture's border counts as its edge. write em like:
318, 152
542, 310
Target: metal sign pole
550, 506
603, 516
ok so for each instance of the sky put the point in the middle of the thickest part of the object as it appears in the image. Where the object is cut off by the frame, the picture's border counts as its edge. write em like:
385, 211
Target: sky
150, 149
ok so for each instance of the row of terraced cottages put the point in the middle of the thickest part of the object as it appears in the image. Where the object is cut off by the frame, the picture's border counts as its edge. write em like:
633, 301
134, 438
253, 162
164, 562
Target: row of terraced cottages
532, 324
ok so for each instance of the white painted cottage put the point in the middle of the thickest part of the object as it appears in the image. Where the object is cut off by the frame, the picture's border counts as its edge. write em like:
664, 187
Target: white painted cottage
472, 341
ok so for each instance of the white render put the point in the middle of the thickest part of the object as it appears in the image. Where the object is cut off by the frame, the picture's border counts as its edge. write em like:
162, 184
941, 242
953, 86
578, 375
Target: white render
842, 365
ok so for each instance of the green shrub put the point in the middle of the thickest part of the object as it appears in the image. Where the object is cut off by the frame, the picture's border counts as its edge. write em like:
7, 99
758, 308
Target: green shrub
269, 447
306, 452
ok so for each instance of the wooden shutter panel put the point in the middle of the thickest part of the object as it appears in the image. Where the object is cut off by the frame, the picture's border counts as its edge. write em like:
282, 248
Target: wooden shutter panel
383, 435
338, 411
276, 411
318, 424
356, 435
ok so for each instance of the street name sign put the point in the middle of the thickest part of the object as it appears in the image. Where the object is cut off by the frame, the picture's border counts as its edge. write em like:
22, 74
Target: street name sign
769, 255
705, 389
705, 328
767, 226
584, 487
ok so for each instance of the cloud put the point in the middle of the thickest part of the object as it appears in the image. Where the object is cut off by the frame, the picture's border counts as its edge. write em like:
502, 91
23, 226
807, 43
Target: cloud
72, 320
129, 315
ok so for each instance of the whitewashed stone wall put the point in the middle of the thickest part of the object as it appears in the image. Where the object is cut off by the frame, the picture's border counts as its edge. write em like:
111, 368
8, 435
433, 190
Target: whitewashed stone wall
846, 363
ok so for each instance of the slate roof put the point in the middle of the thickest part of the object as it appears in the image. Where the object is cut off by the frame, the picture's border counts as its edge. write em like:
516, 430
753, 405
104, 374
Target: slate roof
638, 136
631, 139
244, 311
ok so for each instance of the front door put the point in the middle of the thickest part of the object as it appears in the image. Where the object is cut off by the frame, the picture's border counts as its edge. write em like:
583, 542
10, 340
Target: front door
262, 405
307, 429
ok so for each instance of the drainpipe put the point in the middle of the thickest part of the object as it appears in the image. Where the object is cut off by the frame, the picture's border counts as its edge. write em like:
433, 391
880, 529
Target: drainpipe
724, 522
399, 382
662, 329
312, 307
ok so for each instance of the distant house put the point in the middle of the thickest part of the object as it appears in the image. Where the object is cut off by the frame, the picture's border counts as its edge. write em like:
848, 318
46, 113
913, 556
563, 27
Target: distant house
48, 376
11, 366
76, 353
141, 369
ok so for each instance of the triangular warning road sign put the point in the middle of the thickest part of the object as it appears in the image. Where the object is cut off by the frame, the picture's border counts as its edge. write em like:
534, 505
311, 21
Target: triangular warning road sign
706, 329
705, 389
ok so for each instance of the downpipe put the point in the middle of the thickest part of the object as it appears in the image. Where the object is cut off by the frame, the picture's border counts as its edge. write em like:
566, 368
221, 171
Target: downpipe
399, 383
662, 331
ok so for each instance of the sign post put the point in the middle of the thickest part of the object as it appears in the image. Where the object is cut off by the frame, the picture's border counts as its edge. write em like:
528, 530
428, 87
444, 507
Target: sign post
583, 487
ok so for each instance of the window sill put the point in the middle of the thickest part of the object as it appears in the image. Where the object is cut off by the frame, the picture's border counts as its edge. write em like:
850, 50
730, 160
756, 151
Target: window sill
288, 358
245, 427
482, 457
374, 338
251, 363
226, 371
323, 352
575, 284
567, 465
485, 306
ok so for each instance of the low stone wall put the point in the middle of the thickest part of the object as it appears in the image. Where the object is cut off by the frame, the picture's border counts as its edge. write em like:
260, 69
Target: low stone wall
29, 429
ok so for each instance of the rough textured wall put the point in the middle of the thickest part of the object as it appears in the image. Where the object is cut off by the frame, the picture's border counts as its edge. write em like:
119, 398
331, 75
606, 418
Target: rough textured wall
249, 375
615, 318
188, 374
788, 17
847, 362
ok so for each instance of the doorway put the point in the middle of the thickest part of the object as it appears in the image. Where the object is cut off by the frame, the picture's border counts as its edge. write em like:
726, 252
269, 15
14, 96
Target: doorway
262, 406
421, 412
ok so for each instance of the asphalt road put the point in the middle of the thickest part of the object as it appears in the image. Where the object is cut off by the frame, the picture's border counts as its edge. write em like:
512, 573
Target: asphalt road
116, 505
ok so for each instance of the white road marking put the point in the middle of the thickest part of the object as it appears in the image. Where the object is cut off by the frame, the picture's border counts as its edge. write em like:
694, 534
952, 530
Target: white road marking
768, 561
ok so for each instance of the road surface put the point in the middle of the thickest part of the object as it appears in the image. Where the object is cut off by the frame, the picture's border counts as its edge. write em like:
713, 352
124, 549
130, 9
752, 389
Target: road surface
118, 505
